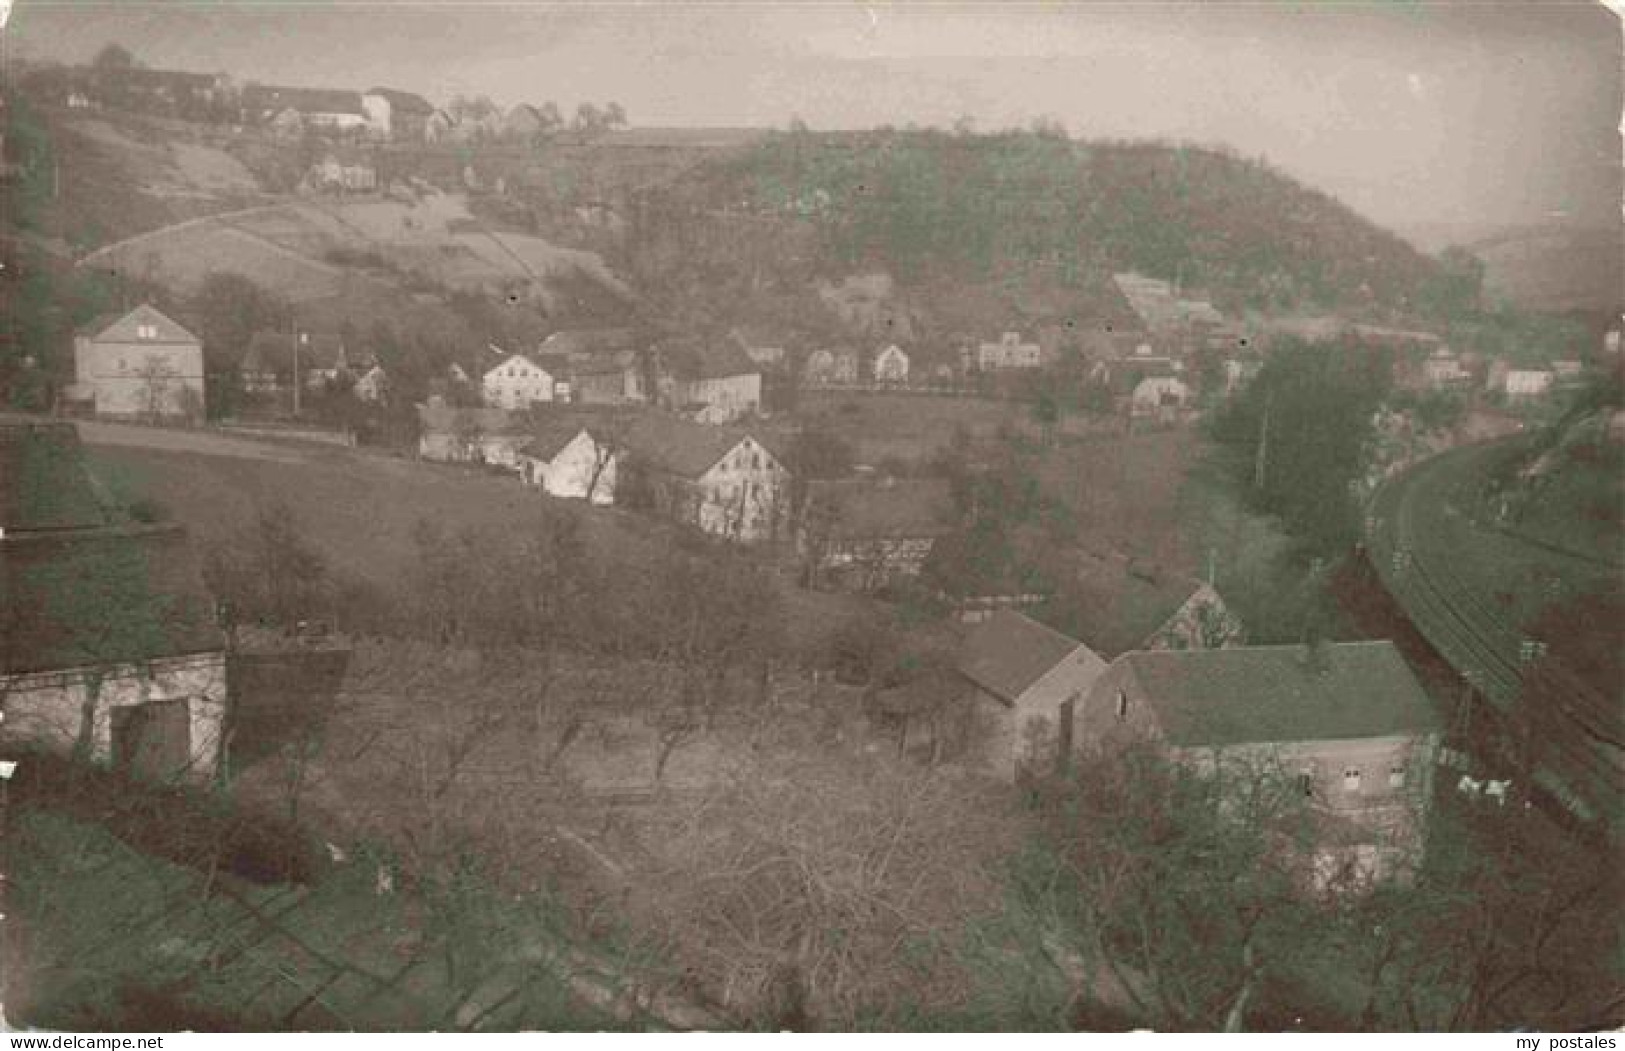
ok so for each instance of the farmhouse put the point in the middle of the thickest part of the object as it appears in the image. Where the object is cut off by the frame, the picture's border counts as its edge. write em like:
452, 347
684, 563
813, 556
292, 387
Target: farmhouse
372, 385
1008, 353
1025, 680
396, 114
142, 364
1443, 368
1527, 383
710, 378
330, 110
567, 458
718, 478
464, 435
350, 171
1159, 396
108, 642
861, 534
831, 365
891, 365
517, 382
1347, 722
1116, 604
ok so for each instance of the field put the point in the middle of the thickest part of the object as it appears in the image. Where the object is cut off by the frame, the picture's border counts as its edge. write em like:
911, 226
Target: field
368, 253
910, 428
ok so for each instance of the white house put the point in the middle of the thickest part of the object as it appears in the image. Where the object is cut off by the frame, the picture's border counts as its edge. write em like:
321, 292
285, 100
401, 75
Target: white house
720, 479
1527, 383
1009, 353
891, 365
517, 383
372, 385
1159, 396
566, 459
142, 364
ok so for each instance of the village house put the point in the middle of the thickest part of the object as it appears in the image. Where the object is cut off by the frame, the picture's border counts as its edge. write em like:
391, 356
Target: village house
861, 534
371, 386
718, 478
393, 114
1162, 397
766, 351
710, 379
164, 92
831, 365
440, 126
1025, 681
350, 171
891, 365
571, 459
517, 382
266, 362
451, 434
523, 122
1348, 723
108, 643
1239, 371
1526, 383
1008, 353
603, 365
320, 359
317, 108
1116, 604
142, 364
1443, 369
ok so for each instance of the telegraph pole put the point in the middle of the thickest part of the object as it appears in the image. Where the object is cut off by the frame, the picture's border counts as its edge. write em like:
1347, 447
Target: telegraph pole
293, 337
1263, 443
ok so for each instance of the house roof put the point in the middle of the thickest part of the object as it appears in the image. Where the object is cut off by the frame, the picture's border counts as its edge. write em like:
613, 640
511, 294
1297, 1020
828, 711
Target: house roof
43, 484
677, 446
550, 436
1007, 653
589, 341
440, 418
116, 328
1263, 694
404, 102
268, 98
94, 596
861, 509
696, 358
1120, 603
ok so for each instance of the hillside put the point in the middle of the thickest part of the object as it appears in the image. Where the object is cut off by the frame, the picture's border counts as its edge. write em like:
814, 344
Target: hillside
1556, 268
1032, 217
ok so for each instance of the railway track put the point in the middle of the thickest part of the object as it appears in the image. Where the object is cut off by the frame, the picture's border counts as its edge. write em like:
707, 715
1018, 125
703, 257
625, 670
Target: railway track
1411, 535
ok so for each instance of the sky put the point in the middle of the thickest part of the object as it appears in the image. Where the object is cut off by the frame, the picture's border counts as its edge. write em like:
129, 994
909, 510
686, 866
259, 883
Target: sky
1415, 114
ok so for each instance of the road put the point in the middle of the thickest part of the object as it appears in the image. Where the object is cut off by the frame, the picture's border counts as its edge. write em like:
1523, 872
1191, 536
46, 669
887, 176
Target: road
1423, 541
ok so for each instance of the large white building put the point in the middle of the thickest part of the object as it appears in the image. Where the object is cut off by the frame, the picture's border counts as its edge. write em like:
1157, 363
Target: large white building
517, 383
142, 364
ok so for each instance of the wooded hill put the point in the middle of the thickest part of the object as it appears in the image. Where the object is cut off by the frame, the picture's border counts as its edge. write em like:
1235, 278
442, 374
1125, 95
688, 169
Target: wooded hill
1027, 216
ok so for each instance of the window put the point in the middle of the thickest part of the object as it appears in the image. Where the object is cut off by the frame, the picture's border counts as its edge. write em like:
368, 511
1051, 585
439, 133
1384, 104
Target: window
146, 332
1396, 777
756, 461
1306, 783
1122, 704
1351, 779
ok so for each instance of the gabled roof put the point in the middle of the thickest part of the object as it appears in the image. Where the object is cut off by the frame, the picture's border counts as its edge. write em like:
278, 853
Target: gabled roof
889, 508
111, 328
43, 484
404, 102
589, 341
1121, 603
1267, 694
677, 446
549, 436
694, 358
509, 359
88, 597
1007, 653
320, 350
268, 98
440, 418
